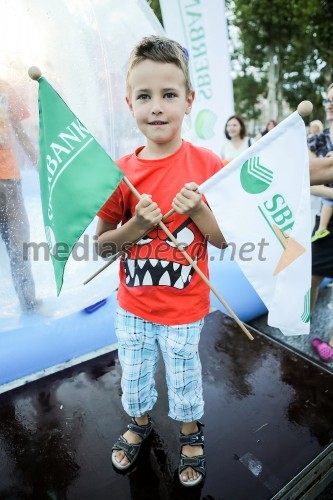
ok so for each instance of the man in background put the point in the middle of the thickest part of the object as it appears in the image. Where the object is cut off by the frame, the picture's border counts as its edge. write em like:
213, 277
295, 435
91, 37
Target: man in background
14, 224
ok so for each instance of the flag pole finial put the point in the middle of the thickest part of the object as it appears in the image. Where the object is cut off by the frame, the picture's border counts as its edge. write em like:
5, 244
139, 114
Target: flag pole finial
305, 108
34, 73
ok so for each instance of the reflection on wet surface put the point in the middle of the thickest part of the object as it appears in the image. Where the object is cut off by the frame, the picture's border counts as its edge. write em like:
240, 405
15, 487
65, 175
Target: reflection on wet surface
267, 415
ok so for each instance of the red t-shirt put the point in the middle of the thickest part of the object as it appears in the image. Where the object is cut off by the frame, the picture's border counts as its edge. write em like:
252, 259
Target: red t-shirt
156, 281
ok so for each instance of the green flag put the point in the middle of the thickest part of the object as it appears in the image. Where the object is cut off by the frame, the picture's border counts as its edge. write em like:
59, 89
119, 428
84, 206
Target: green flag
76, 176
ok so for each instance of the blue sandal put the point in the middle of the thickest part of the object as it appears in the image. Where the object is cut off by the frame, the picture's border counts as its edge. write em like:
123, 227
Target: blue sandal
131, 450
197, 463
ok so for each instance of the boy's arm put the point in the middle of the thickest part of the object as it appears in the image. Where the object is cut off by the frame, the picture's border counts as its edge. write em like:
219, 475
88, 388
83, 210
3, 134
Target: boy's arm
189, 202
111, 239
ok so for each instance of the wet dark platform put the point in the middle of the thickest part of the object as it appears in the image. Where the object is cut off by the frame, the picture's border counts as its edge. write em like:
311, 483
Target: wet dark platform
268, 431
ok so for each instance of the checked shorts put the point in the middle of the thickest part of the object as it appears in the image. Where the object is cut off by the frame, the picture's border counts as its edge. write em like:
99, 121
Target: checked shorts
138, 350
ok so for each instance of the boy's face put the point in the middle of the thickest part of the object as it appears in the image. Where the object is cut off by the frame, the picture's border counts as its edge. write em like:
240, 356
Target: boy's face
158, 101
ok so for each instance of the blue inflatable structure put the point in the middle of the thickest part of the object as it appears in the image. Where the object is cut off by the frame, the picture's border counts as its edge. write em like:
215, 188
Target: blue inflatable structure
233, 286
41, 346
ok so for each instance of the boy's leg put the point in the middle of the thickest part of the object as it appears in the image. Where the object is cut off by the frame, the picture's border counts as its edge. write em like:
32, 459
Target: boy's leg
190, 451
179, 346
138, 356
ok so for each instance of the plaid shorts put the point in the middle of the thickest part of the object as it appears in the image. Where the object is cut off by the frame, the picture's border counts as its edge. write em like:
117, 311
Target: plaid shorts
138, 342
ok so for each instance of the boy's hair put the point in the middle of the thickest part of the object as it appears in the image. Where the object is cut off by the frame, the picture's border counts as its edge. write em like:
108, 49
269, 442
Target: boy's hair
240, 120
160, 49
330, 87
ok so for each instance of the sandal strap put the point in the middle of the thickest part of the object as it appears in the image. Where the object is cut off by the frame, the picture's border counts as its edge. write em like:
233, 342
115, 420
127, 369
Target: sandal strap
141, 430
197, 463
130, 450
194, 439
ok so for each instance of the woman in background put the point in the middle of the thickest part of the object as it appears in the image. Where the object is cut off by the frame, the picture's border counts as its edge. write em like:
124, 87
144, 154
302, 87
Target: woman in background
236, 139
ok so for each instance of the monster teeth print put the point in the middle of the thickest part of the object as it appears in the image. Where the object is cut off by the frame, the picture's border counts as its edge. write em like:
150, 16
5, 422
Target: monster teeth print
153, 272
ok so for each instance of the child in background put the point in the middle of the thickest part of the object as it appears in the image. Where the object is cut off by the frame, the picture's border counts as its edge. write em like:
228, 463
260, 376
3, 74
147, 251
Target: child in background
325, 217
316, 127
162, 301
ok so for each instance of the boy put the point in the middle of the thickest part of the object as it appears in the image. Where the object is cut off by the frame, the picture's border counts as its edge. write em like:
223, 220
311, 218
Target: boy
162, 301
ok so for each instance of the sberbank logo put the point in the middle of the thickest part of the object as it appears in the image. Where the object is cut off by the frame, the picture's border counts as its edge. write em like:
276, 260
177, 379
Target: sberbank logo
205, 123
255, 178
307, 302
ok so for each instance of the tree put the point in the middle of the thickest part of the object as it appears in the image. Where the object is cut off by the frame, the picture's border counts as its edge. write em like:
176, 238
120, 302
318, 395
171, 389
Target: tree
155, 5
284, 53
268, 30
247, 91
288, 42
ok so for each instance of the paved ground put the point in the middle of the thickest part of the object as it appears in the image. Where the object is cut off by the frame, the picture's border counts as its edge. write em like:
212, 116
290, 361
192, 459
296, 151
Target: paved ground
321, 326
265, 421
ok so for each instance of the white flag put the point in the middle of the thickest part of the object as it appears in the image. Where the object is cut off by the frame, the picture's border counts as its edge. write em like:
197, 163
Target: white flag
201, 27
261, 201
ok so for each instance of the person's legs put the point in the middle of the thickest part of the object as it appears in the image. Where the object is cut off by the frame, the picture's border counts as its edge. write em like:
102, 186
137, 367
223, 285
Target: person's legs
15, 232
138, 356
315, 282
179, 346
190, 450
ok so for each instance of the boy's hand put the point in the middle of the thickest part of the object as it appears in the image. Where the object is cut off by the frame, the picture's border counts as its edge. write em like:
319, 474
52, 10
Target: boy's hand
188, 201
148, 213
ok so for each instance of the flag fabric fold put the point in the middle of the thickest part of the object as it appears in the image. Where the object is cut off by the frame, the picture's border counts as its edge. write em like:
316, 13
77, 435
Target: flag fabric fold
261, 201
76, 176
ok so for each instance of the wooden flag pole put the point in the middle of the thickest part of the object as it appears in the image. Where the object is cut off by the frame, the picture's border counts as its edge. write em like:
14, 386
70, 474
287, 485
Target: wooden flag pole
193, 264
117, 255
187, 257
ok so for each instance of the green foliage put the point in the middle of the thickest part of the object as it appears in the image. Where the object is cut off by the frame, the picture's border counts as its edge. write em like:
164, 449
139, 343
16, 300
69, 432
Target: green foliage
246, 95
155, 5
292, 35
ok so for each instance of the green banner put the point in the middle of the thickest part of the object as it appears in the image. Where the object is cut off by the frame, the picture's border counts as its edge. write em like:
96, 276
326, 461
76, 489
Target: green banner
76, 176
